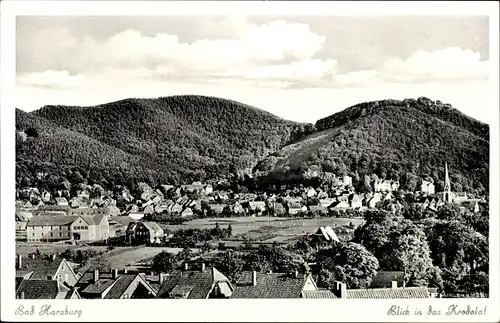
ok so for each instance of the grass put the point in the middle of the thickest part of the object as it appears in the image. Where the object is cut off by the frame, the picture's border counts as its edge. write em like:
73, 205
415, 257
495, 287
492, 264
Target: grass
267, 228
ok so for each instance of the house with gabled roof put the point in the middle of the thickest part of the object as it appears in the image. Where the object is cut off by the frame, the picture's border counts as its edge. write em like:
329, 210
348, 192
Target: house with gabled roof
326, 234
114, 285
273, 285
61, 201
118, 225
49, 268
187, 212
145, 232
45, 289
197, 283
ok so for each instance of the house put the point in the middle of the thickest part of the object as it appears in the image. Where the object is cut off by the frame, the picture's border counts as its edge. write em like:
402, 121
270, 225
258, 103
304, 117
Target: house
372, 202
340, 205
47, 268
21, 222
45, 289
149, 210
393, 292
311, 192
238, 208
326, 202
71, 227
279, 208
216, 208
317, 210
385, 185
356, 201
326, 234
118, 225
257, 206
199, 283
471, 205
187, 212
385, 279
208, 189
61, 201
144, 232
295, 208
114, 285
460, 197
427, 187
175, 208
273, 285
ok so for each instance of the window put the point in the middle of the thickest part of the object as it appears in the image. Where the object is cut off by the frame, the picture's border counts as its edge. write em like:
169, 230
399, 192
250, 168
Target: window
60, 234
51, 234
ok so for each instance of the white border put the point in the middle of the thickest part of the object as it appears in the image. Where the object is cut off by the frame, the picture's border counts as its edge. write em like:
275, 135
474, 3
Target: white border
232, 310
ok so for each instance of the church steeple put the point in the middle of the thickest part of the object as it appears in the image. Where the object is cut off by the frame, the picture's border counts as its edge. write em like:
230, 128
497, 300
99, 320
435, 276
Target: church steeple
447, 195
447, 186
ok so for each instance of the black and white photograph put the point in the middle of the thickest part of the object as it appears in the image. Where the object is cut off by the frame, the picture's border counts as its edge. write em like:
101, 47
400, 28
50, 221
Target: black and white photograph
239, 156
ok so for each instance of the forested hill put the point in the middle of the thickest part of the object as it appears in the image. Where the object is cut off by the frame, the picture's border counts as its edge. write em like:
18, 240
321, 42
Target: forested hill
404, 140
442, 111
174, 139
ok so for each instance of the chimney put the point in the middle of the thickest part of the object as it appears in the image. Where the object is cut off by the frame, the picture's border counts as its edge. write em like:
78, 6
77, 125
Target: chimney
125, 270
213, 274
19, 261
296, 274
33, 256
254, 278
96, 275
202, 267
54, 257
21, 295
343, 290
161, 278
394, 284
186, 266
115, 273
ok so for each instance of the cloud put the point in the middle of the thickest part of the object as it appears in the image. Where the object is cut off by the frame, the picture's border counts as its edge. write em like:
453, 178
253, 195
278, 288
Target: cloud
276, 51
448, 64
52, 79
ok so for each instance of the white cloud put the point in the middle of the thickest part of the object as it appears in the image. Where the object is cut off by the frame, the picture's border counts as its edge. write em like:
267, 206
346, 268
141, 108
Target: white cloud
52, 79
448, 64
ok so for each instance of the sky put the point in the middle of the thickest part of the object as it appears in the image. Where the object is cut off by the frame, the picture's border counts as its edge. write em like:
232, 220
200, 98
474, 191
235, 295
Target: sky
300, 68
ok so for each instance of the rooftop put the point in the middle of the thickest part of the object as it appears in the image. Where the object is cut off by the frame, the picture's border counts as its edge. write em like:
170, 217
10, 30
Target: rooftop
270, 285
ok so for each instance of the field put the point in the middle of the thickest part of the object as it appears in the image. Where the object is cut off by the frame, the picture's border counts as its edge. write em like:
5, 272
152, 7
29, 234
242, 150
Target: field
131, 258
267, 229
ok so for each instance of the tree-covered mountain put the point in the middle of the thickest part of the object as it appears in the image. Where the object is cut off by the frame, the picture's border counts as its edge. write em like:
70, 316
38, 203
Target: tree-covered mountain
175, 139
401, 140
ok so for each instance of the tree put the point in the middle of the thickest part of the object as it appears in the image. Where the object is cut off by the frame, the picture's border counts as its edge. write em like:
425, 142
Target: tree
164, 262
399, 244
350, 263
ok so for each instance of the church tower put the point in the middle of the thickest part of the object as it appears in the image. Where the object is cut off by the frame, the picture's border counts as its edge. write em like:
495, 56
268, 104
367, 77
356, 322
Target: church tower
447, 196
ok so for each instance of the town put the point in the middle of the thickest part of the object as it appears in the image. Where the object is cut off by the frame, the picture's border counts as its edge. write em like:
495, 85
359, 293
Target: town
204, 240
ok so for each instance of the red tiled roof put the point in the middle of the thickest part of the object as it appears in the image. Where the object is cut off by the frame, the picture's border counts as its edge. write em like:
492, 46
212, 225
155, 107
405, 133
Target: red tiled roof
272, 285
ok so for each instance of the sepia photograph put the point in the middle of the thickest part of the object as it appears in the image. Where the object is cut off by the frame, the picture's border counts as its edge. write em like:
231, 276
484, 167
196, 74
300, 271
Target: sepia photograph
239, 155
